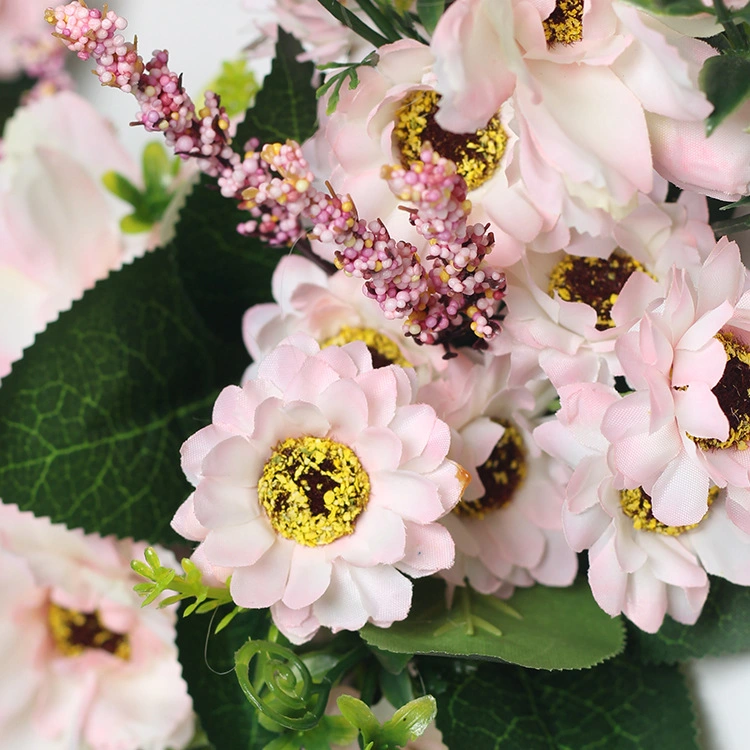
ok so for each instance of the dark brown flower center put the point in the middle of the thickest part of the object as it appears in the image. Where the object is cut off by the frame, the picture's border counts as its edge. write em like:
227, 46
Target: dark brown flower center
73, 632
565, 24
501, 474
595, 281
476, 155
733, 394
637, 505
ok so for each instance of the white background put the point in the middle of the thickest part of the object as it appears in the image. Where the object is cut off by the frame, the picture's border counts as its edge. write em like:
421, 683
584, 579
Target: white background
199, 35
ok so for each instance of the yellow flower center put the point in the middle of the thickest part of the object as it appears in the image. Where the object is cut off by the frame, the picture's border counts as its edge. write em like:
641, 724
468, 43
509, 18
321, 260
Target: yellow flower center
637, 504
733, 394
73, 632
384, 350
313, 489
477, 155
565, 24
501, 474
595, 281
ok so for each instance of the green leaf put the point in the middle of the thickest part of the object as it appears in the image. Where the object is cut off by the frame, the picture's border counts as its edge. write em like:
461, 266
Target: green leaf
359, 715
558, 628
93, 416
225, 714
725, 79
236, 85
390, 661
621, 705
722, 628
157, 168
409, 721
397, 688
285, 107
223, 272
672, 7
122, 187
10, 97
133, 224
429, 12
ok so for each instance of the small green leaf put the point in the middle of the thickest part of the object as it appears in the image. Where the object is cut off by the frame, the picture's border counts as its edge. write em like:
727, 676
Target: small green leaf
725, 79
620, 705
409, 721
133, 224
390, 661
672, 7
236, 85
557, 629
429, 12
397, 688
722, 628
359, 715
122, 187
286, 106
157, 168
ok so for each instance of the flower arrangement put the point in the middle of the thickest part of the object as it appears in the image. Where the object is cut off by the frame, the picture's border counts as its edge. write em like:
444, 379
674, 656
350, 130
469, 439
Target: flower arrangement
400, 401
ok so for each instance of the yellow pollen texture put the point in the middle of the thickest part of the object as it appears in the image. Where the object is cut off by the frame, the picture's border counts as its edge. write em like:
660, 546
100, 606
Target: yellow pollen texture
313, 489
565, 24
378, 344
595, 281
637, 505
477, 155
73, 632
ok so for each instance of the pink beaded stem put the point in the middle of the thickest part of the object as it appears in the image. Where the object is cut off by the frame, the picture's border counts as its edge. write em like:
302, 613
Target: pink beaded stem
449, 292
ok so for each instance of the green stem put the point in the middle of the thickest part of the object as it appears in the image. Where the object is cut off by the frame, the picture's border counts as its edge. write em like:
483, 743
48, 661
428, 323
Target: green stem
340, 13
724, 16
379, 19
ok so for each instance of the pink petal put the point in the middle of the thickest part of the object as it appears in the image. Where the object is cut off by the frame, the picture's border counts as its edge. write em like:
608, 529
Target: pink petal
646, 600
699, 414
238, 546
341, 607
262, 584
680, 494
379, 538
723, 549
234, 461
559, 564
608, 582
410, 495
195, 448
685, 605
425, 438
220, 504
309, 577
345, 406
385, 593
429, 548
186, 524
378, 449
670, 562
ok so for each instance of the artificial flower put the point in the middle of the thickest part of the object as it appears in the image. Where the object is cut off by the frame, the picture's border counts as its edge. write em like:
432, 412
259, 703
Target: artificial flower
638, 566
59, 229
507, 527
318, 484
20, 21
333, 310
84, 666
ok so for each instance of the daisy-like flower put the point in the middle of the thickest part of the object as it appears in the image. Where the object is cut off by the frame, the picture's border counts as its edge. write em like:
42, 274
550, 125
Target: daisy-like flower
318, 486
59, 228
507, 527
557, 63
333, 310
84, 665
685, 423
638, 566
574, 302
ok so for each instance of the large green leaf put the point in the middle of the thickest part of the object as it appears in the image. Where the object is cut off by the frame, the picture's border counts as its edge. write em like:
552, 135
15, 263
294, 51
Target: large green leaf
557, 628
725, 79
286, 105
227, 717
93, 416
429, 12
722, 628
620, 705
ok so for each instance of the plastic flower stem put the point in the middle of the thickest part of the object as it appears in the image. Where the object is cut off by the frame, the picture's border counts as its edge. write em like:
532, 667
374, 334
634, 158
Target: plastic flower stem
351, 21
379, 19
298, 702
724, 16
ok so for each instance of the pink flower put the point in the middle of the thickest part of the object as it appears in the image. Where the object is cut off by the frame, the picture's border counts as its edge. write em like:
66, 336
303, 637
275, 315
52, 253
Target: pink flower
84, 665
583, 77
59, 229
507, 527
638, 566
671, 435
317, 485
20, 20
572, 305
333, 310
